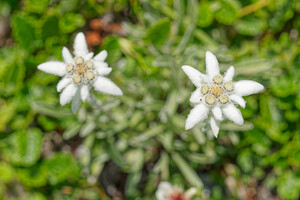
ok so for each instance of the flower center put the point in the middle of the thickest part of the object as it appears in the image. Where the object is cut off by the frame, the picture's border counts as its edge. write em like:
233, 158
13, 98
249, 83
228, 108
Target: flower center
80, 69
83, 71
76, 78
210, 99
69, 67
89, 75
218, 91
218, 79
229, 86
204, 89
223, 99
177, 196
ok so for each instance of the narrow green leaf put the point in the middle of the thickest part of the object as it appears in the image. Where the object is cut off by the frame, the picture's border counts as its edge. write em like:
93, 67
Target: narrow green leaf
87, 128
162, 166
250, 27
26, 147
6, 172
206, 16
153, 131
228, 12
185, 39
35, 176
72, 131
193, 11
76, 101
70, 22
24, 32
187, 171
159, 32
134, 159
132, 182
61, 167
205, 38
115, 154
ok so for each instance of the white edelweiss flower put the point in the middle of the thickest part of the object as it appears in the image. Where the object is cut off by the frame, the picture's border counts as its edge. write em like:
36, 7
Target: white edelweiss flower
218, 94
81, 72
166, 191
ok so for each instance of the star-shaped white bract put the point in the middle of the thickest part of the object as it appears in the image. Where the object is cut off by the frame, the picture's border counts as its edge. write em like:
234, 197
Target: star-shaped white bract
81, 72
166, 191
218, 94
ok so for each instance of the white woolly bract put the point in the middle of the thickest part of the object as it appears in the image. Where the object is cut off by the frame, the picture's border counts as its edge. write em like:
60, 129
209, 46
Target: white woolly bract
231, 94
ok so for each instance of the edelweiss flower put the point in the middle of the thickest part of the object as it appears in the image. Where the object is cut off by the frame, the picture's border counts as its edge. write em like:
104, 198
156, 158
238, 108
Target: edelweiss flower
81, 72
166, 191
217, 94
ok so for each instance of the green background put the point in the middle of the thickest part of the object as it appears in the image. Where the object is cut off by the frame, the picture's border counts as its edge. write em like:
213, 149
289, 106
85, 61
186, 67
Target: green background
131, 143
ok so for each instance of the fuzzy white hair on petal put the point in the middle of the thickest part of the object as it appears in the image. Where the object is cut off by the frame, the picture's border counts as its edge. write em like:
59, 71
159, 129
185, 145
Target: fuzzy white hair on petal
103, 71
101, 56
84, 92
88, 56
246, 87
228, 76
212, 65
80, 46
233, 114
193, 74
196, 96
53, 67
197, 114
215, 126
238, 99
106, 86
217, 113
64, 82
67, 94
100, 64
67, 56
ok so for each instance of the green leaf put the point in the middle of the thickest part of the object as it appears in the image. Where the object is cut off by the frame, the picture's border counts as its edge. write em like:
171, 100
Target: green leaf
185, 39
24, 32
76, 101
61, 167
50, 27
115, 154
47, 123
87, 128
289, 186
162, 166
132, 182
7, 112
159, 32
251, 27
162, 61
193, 10
206, 16
134, 159
36, 6
12, 70
245, 161
171, 105
284, 87
71, 131
6, 172
151, 132
70, 22
228, 12
187, 171
25, 147
35, 176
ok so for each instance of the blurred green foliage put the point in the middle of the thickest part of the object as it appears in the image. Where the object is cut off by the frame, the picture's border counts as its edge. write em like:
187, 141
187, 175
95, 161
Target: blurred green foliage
48, 153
